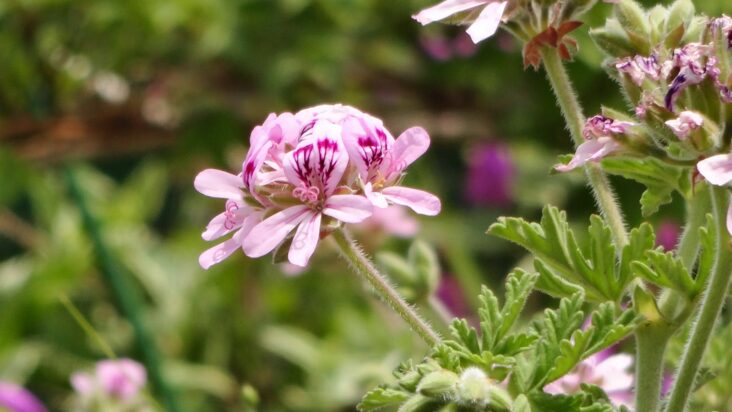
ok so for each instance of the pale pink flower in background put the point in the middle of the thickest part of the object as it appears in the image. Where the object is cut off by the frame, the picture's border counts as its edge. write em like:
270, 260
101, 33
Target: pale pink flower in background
485, 24
598, 132
314, 169
393, 220
609, 371
380, 161
122, 379
718, 171
685, 124
15, 398
237, 216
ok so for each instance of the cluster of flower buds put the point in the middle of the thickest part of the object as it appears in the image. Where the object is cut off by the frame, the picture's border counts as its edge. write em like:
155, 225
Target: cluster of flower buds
676, 70
309, 172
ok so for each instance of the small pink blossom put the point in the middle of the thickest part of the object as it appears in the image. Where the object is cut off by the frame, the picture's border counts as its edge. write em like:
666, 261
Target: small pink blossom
490, 176
380, 161
722, 25
484, 26
314, 169
298, 182
122, 379
717, 170
599, 143
15, 398
638, 68
685, 124
604, 369
691, 61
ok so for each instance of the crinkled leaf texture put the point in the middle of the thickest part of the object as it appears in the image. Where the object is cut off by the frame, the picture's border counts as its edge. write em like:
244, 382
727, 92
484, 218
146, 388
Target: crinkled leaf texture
660, 179
564, 267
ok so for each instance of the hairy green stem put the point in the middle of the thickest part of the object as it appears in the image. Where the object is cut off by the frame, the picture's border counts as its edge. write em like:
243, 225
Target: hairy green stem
575, 120
126, 296
364, 268
651, 341
711, 305
696, 212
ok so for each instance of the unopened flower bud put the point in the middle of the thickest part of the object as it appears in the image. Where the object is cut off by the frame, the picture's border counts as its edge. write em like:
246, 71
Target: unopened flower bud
438, 384
612, 39
680, 13
474, 387
687, 123
410, 380
500, 400
633, 20
418, 403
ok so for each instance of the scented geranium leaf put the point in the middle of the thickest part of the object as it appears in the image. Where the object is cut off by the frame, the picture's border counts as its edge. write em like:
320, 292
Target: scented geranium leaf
553, 284
605, 330
380, 398
665, 269
707, 236
660, 179
553, 328
640, 240
491, 318
465, 335
563, 265
545, 402
515, 344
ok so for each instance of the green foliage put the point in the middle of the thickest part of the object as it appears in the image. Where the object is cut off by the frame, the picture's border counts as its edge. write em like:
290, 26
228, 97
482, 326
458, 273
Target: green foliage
660, 179
564, 267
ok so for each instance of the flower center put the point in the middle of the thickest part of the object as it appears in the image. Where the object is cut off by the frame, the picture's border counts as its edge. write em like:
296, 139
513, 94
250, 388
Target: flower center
306, 194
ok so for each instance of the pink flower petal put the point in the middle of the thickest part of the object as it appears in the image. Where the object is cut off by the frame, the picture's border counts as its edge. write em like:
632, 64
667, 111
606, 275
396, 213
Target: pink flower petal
219, 252
366, 143
487, 22
446, 9
305, 240
217, 183
83, 383
319, 161
270, 232
408, 147
376, 198
591, 150
421, 202
217, 227
716, 169
348, 208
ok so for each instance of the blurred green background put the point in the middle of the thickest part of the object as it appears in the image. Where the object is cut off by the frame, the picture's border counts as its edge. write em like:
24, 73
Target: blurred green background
135, 97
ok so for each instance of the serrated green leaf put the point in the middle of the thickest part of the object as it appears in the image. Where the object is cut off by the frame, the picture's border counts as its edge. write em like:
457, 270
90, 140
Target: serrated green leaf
562, 264
545, 402
380, 398
665, 269
659, 178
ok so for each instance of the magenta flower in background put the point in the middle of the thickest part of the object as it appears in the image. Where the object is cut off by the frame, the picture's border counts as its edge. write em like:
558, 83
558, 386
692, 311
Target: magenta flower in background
305, 175
667, 234
442, 48
121, 379
453, 297
605, 369
15, 398
490, 176
484, 25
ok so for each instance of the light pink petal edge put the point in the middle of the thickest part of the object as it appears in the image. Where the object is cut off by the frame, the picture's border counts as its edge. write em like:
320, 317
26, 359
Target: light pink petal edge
420, 201
348, 208
217, 183
305, 240
270, 232
487, 22
716, 169
445, 9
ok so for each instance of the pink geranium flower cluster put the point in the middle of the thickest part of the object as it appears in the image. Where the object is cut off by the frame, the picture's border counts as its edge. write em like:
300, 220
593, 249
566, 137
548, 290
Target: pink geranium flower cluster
121, 379
308, 173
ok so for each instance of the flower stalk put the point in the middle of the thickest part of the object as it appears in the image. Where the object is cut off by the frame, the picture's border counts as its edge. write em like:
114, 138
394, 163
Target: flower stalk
366, 270
711, 305
651, 342
575, 120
